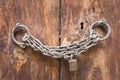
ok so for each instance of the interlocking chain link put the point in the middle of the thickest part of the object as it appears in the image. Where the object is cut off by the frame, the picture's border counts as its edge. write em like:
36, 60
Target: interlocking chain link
62, 51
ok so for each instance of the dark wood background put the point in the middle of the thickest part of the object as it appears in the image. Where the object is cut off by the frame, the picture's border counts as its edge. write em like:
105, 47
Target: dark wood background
58, 22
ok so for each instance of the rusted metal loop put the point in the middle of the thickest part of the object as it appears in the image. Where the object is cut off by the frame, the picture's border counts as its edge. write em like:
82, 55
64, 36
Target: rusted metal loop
17, 27
102, 23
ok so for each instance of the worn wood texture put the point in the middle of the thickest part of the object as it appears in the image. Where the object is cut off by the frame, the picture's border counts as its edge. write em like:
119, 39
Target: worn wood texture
42, 18
101, 62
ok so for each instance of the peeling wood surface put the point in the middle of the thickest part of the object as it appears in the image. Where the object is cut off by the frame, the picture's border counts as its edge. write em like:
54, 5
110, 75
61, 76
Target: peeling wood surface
101, 62
46, 19
42, 18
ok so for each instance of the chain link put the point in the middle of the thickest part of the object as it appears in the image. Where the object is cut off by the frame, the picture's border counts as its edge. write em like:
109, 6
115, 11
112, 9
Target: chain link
61, 51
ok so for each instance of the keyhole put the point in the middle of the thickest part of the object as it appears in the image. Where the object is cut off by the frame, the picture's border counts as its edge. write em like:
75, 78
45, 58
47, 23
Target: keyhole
81, 25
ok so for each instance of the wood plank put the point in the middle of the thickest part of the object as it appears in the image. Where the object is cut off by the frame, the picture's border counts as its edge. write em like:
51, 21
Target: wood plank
102, 61
42, 18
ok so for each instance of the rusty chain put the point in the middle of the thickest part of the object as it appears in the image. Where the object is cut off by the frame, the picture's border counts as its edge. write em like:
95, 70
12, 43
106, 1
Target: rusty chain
66, 50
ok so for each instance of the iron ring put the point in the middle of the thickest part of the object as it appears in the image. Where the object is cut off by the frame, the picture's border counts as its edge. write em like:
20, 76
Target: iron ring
15, 29
104, 24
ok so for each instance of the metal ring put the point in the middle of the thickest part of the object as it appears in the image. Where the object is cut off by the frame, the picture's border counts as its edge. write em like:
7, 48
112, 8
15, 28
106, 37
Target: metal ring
15, 29
103, 24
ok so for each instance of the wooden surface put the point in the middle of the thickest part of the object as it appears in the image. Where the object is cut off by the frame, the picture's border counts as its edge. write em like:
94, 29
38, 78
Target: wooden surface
49, 19
101, 62
42, 18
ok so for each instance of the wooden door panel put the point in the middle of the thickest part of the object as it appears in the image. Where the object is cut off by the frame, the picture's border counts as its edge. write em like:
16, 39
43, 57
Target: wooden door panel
45, 19
42, 18
102, 61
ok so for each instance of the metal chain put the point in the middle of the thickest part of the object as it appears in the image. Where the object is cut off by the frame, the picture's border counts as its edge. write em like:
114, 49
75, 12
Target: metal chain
62, 51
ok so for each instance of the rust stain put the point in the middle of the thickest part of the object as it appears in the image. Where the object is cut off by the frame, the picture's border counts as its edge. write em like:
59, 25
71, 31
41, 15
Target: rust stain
20, 58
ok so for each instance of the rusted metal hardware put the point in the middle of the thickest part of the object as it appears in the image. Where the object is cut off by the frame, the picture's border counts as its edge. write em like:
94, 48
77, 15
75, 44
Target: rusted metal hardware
65, 51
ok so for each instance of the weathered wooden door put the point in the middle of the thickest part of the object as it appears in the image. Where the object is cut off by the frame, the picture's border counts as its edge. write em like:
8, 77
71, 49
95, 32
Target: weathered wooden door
59, 22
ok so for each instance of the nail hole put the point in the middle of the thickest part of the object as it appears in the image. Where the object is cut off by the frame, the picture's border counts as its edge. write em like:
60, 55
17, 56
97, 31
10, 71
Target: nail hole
81, 25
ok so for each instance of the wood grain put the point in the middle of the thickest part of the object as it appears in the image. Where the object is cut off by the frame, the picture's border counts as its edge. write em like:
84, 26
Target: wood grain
42, 18
101, 62
45, 19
